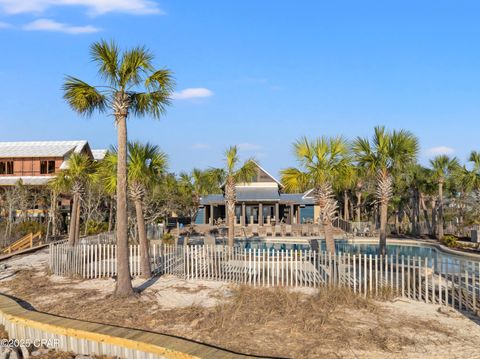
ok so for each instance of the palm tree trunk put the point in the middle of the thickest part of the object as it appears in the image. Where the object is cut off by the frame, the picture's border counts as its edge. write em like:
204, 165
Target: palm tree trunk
230, 209
124, 282
359, 203
440, 211
231, 223
110, 215
144, 246
329, 240
434, 217
383, 227
77, 222
346, 215
73, 221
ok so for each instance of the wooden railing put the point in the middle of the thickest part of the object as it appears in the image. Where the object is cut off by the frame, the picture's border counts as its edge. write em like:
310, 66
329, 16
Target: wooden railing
25, 242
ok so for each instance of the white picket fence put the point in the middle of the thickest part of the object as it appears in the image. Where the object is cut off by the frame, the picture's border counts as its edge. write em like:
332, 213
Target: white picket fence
445, 283
100, 260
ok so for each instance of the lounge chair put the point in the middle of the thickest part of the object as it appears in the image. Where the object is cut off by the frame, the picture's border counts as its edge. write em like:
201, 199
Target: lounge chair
316, 230
254, 230
288, 230
268, 231
278, 230
305, 230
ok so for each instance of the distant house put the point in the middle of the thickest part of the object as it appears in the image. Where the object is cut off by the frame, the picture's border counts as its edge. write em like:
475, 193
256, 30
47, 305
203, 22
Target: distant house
35, 163
262, 202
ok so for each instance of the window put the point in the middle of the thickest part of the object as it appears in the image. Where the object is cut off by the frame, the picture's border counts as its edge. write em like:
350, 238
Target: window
47, 167
6, 168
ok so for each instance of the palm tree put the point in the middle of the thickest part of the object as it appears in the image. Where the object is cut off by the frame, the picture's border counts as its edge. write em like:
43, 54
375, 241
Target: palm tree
322, 162
133, 87
146, 165
79, 171
200, 183
442, 168
344, 183
56, 186
385, 156
107, 172
234, 175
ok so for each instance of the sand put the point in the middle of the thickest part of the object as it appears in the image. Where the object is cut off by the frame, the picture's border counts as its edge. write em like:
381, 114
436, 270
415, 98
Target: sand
394, 329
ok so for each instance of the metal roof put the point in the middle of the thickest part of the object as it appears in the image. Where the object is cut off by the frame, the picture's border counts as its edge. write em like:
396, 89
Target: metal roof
212, 199
259, 194
40, 148
98, 154
27, 180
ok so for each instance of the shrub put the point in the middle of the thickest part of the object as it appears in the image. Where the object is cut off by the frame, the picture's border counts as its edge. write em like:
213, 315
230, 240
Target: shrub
95, 227
450, 241
23, 228
168, 238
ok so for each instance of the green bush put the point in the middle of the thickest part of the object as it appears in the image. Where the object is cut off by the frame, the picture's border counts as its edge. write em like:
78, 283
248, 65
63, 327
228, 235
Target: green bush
95, 227
168, 238
23, 228
450, 241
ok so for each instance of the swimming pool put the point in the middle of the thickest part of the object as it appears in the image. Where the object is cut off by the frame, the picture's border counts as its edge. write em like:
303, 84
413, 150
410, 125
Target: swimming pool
441, 261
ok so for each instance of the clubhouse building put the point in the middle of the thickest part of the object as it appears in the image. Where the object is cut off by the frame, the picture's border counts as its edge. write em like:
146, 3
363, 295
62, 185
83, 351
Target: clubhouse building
260, 202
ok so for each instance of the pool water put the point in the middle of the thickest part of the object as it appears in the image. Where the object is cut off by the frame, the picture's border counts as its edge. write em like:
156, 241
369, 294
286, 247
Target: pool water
443, 262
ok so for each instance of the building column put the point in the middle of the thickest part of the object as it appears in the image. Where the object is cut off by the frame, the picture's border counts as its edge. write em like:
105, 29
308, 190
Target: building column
260, 214
243, 221
292, 214
211, 215
277, 213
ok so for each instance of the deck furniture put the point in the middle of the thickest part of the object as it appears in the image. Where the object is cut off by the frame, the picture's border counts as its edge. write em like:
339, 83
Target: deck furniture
278, 230
254, 230
268, 231
288, 230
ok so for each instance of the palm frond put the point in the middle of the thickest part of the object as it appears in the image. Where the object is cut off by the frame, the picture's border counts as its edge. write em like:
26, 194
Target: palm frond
82, 97
134, 65
247, 172
149, 103
105, 55
295, 180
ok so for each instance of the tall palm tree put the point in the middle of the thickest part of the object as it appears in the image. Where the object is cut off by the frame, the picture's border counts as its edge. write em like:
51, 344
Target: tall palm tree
442, 168
384, 157
56, 185
107, 172
200, 183
80, 170
146, 165
133, 87
233, 175
322, 161
343, 184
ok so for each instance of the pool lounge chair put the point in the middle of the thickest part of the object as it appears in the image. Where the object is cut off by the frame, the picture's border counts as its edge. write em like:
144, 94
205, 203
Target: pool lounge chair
278, 230
305, 230
268, 231
288, 230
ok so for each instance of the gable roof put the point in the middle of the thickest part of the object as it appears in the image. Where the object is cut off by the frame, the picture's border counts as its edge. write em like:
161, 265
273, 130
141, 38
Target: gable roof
99, 154
41, 148
268, 174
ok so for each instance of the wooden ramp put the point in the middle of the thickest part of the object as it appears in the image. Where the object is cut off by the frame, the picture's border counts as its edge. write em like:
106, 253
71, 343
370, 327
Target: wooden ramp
90, 338
28, 241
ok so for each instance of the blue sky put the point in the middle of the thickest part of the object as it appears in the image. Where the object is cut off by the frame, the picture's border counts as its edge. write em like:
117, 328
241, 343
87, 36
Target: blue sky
258, 74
